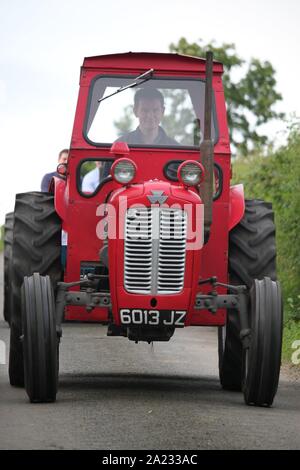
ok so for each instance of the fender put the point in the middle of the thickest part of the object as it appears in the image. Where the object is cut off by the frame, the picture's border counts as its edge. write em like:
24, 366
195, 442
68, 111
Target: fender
236, 205
59, 187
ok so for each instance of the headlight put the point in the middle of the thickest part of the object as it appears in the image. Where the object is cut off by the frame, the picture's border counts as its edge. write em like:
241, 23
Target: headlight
123, 170
190, 173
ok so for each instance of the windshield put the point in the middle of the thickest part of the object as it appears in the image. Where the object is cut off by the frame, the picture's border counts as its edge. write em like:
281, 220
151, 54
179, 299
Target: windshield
158, 113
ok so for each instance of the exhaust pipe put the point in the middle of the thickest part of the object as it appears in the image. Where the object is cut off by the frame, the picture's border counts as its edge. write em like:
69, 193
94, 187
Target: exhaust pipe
207, 150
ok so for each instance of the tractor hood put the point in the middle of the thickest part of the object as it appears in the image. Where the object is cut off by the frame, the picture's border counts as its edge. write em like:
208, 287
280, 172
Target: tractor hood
155, 252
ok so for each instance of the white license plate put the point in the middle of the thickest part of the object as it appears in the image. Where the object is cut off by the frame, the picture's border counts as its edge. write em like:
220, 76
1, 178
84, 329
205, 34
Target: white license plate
139, 316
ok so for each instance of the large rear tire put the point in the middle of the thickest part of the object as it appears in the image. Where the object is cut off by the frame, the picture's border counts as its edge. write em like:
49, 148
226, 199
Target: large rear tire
252, 255
262, 360
8, 240
40, 340
35, 248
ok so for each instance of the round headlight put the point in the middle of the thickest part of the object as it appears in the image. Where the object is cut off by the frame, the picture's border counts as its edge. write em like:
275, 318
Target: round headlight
123, 170
190, 173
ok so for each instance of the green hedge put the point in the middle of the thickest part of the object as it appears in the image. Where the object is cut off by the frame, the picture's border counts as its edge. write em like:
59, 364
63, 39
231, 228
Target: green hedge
276, 178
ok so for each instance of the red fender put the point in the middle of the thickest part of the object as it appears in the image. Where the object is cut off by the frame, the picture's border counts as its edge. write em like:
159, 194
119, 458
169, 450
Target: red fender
59, 187
236, 205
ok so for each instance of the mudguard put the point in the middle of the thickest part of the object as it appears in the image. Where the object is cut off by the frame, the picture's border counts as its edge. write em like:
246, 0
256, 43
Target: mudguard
58, 186
236, 205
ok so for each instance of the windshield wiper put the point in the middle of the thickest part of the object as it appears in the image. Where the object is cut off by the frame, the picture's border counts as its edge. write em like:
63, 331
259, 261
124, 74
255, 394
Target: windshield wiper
138, 81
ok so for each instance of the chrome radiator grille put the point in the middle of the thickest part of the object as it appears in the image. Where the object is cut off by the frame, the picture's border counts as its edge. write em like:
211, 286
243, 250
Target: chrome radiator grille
155, 246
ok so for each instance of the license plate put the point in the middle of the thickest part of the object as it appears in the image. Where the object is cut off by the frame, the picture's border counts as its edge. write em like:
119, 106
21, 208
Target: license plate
139, 316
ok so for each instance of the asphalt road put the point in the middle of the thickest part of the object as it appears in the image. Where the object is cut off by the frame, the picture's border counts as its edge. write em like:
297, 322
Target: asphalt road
114, 394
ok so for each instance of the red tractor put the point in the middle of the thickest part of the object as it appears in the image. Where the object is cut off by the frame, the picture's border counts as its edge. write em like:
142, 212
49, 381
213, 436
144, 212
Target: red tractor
142, 231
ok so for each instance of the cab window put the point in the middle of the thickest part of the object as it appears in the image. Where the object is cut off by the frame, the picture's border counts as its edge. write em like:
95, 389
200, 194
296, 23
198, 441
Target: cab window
158, 113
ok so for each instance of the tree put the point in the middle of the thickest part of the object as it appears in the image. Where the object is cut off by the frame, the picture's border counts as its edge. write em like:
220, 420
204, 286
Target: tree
250, 101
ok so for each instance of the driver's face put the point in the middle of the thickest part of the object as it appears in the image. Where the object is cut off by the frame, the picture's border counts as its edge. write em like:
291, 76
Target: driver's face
149, 113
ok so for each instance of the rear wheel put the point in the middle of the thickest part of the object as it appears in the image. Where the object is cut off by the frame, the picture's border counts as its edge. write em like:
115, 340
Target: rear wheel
36, 248
8, 239
261, 361
40, 340
252, 255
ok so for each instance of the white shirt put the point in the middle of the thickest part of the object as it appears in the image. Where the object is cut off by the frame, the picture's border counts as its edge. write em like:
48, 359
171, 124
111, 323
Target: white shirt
90, 181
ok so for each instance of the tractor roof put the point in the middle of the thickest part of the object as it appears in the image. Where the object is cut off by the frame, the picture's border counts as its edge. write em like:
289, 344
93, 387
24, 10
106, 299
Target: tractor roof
145, 60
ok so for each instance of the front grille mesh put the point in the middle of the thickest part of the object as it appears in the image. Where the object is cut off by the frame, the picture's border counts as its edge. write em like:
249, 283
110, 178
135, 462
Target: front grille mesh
138, 251
155, 247
172, 244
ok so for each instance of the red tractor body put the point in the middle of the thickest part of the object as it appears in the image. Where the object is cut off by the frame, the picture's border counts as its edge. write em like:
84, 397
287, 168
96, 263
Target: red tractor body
142, 231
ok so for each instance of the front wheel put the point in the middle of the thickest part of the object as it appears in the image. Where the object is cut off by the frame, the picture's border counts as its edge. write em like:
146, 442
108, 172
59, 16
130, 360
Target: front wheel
262, 359
40, 340
252, 255
36, 242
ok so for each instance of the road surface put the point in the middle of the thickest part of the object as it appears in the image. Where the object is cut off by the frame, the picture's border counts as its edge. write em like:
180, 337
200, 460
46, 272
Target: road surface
114, 394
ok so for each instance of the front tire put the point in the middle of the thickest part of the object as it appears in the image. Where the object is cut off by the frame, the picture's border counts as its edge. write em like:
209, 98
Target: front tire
252, 255
262, 360
40, 340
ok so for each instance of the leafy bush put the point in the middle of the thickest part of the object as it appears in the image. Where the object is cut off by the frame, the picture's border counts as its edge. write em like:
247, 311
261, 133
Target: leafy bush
276, 178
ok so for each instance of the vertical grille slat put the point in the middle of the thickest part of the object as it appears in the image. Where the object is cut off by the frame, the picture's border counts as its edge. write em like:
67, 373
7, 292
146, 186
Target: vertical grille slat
138, 251
172, 249
155, 248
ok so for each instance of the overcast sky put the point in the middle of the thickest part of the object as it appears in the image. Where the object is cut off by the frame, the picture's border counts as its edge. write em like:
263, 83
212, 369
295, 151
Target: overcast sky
43, 43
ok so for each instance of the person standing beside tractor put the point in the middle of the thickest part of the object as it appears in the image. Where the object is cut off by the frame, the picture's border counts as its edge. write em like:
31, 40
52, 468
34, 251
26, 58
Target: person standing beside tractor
92, 179
62, 158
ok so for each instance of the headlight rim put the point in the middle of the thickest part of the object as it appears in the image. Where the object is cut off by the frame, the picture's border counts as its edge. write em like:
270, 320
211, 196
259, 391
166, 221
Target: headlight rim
196, 164
118, 162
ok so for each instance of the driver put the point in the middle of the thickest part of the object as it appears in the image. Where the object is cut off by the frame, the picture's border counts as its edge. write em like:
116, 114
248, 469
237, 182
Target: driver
149, 109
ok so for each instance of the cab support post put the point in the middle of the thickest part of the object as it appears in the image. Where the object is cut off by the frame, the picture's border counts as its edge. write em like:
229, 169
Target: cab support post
206, 150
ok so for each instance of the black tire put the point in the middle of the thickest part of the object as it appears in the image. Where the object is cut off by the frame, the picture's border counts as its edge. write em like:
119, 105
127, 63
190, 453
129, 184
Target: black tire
40, 340
252, 255
262, 360
8, 239
36, 248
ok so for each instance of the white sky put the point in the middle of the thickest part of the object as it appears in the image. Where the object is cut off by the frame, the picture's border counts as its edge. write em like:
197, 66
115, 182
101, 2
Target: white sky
43, 43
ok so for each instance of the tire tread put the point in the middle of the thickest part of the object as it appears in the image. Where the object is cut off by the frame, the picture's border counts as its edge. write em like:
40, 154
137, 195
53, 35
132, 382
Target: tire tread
252, 255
